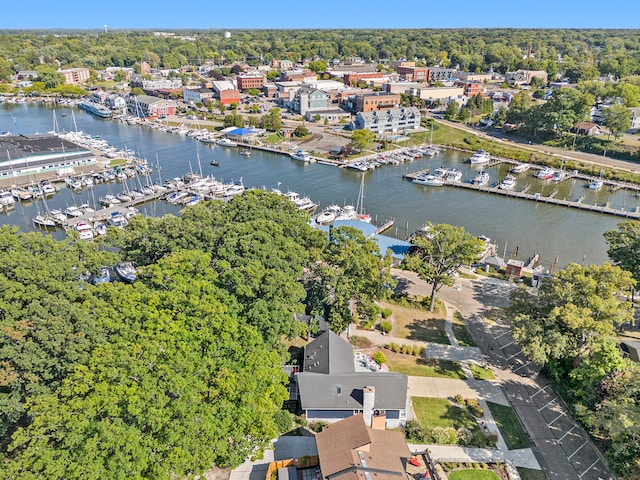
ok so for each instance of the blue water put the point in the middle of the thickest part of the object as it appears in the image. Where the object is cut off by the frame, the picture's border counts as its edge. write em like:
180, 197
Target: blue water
531, 227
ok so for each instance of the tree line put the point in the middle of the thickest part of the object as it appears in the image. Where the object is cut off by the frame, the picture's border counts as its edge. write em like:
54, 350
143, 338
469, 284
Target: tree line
579, 54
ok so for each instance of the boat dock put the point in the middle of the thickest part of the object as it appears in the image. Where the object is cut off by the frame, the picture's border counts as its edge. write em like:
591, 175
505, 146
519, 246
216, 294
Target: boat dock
537, 197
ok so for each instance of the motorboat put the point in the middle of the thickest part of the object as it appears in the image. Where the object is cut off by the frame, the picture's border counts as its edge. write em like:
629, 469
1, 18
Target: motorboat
47, 187
123, 197
245, 152
429, 180
359, 166
328, 215
116, 219
545, 174
109, 200
36, 191
441, 172
301, 155
348, 213
6, 199
520, 168
73, 211
100, 228
508, 183
84, 230
226, 142
214, 163
20, 194
125, 271
176, 197
73, 183
481, 179
596, 184
559, 176
453, 175
479, 157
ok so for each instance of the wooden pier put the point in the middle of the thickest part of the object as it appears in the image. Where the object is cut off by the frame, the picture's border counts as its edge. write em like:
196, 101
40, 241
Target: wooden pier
536, 197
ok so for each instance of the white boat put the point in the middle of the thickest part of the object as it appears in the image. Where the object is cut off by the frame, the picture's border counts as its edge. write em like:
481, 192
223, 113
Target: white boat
44, 221
245, 152
480, 157
73, 183
520, 168
301, 155
348, 213
596, 184
429, 180
480, 179
508, 183
359, 166
453, 175
225, 142
124, 197
6, 199
545, 174
176, 197
100, 228
109, 200
84, 230
559, 176
116, 219
47, 187
36, 191
73, 211
125, 271
441, 172
328, 215
20, 194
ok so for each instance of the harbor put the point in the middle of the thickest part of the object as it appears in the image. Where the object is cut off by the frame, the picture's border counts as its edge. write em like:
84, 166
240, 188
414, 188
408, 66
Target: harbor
572, 234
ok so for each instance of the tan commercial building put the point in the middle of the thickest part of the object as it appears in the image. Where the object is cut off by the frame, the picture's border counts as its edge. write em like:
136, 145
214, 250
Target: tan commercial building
75, 75
376, 101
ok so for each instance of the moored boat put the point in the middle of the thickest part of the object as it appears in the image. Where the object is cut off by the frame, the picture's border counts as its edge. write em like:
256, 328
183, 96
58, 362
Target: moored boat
301, 155
44, 221
545, 174
226, 142
508, 183
520, 168
479, 157
596, 184
429, 180
125, 271
481, 179
84, 230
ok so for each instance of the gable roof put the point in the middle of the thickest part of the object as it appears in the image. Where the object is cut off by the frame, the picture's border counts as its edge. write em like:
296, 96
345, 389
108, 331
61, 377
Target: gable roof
344, 391
328, 354
348, 450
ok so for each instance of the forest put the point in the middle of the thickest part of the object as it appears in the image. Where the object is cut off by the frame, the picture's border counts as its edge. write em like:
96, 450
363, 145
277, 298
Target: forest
180, 370
580, 53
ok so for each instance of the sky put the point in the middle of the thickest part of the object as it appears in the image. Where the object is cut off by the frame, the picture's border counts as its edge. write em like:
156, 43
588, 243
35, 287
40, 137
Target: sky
328, 14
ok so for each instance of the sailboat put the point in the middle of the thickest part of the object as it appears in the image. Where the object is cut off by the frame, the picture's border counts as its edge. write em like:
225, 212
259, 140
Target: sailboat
363, 217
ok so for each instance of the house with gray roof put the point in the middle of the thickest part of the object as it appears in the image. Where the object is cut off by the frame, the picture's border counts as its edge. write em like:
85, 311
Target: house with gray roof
330, 388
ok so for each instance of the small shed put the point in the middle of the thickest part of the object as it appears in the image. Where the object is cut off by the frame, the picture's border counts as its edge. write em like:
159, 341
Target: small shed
514, 268
494, 261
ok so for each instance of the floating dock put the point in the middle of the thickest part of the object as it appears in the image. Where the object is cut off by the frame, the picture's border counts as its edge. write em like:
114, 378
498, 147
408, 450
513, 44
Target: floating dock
536, 197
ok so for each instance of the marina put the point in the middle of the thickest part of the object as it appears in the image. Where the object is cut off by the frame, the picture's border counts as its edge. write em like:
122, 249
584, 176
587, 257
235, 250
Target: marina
572, 234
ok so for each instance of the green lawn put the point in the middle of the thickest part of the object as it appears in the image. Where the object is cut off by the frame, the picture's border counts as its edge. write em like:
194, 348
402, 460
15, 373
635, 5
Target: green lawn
481, 373
529, 474
510, 426
423, 367
473, 474
440, 412
461, 332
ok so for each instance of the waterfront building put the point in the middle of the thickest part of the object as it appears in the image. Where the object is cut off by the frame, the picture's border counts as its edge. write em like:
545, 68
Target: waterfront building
145, 106
388, 121
376, 101
22, 155
115, 102
196, 95
309, 99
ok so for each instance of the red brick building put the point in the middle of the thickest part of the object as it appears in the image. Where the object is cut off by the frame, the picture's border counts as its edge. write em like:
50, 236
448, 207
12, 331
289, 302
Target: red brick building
352, 78
376, 101
250, 81
414, 74
471, 89
227, 97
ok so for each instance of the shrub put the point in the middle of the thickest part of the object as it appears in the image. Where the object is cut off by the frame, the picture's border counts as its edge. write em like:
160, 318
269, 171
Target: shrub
395, 348
459, 399
445, 436
406, 349
386, 312
386, 326
317, 426
417, 350
464, 436
360, 342
379, 358
413, 431
474, 408
283, 420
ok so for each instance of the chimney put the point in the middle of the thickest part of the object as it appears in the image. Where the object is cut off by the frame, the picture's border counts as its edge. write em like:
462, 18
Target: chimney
368, 400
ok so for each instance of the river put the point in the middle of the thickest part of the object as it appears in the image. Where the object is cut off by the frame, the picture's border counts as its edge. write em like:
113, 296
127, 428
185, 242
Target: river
530, 227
